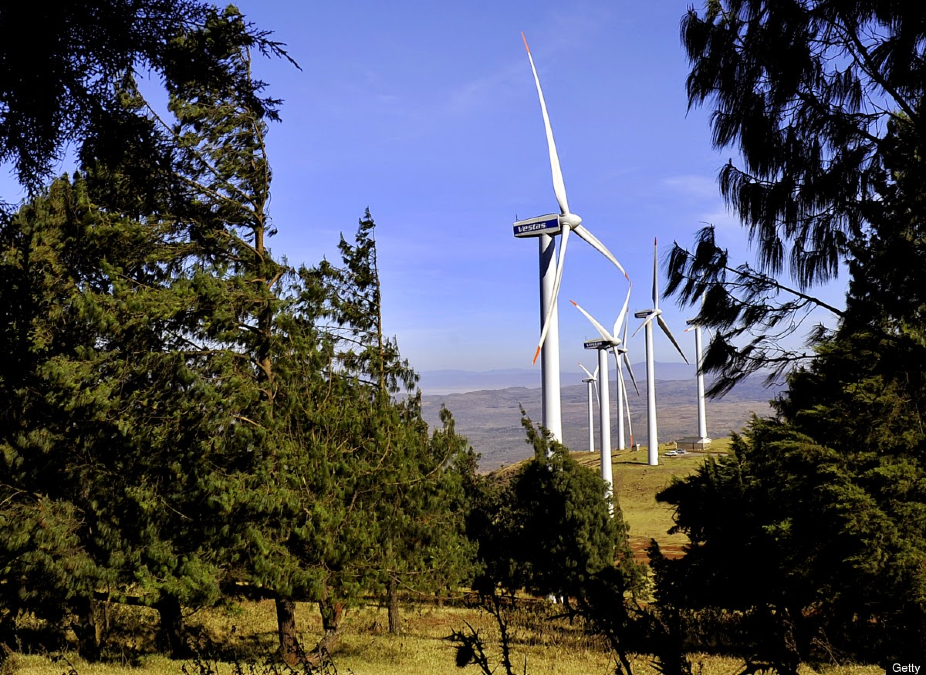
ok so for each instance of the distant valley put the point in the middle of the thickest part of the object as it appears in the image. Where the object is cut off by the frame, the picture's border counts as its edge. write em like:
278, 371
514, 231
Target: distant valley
490, 419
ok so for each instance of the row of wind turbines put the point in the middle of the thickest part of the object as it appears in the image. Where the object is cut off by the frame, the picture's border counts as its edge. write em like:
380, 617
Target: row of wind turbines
544, 229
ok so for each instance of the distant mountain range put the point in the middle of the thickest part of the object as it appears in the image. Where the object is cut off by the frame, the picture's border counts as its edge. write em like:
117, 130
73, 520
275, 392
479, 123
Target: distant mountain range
459, 381
490, 419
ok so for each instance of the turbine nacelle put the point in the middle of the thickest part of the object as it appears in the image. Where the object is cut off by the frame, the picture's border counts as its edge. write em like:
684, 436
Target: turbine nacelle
534, 227
600, 344
550, 224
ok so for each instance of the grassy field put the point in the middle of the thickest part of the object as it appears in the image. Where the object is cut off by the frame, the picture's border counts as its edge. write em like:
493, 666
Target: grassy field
636, 484
547, 646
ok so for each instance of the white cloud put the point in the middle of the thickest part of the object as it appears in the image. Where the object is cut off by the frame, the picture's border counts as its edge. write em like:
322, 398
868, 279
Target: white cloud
723, 220
694, 186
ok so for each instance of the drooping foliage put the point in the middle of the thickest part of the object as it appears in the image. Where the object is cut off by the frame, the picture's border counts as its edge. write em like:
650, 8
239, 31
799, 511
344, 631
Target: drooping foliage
80, 50
815, 97
808, 541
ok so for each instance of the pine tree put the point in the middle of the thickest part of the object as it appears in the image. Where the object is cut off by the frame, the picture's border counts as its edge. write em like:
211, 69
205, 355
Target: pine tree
825, 503
80, 52
106, 418
390, 498
141, 304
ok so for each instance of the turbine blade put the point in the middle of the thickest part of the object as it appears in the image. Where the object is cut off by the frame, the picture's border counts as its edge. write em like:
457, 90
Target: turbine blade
630, 370
623, 392
655, 275
557, 279
649, 318
559, 188
597, 245
620, 317
596, 372
597, 397
665, 329
601, 329
627, 360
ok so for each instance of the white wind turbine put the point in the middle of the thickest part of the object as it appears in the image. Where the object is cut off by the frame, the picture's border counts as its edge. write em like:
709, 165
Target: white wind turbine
622, 350
702, 440
648, 316
609, 342
618, 347
545, 228
591, 382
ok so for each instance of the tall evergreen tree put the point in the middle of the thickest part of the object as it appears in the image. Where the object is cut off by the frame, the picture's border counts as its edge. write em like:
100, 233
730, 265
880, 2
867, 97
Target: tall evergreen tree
146, 295
825, 503
389, 499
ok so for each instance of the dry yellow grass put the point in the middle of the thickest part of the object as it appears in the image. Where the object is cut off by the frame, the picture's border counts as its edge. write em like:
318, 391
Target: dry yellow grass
420, 650
366, 649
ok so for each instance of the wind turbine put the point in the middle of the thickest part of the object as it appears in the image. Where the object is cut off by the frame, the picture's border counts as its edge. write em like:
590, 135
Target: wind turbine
618, 348
608, 342
622, 350
702, 440
545, 228
591, 381
648, 315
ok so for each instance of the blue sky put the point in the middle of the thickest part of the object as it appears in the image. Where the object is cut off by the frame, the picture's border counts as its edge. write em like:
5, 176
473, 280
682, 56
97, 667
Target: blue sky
427, 113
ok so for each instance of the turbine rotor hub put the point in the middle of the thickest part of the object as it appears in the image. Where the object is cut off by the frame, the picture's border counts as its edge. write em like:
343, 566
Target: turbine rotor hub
570, 220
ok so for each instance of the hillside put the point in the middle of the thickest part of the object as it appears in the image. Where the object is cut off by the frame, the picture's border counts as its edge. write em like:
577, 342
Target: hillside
489, 418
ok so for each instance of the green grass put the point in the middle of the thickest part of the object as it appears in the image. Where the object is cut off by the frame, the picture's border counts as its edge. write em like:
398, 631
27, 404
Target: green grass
635, 487
549, 647
420, 650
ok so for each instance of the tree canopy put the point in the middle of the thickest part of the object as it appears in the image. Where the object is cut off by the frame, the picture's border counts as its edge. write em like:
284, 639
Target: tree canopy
812, 530
80, 51
814, 96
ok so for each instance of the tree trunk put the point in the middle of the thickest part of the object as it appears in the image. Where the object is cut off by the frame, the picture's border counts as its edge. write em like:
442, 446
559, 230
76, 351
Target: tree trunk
392, 600
332, 612
290, 649
171, 636
88, 629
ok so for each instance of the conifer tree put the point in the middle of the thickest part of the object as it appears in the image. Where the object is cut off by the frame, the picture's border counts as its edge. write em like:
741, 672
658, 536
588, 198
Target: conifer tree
809, 93
825, 503
141, 304
406, 531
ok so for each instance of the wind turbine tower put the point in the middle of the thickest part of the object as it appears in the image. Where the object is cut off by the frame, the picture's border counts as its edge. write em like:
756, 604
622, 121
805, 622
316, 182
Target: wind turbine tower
604, 414
608, 342
701, 441
592, 383
648, 316
699, 357
551, 271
